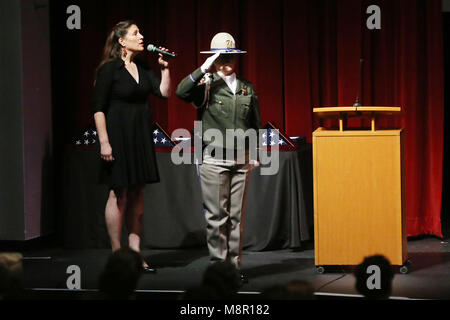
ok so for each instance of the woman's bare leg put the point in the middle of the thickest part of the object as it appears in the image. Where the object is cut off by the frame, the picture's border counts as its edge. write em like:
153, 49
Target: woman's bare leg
115, 207
134, 213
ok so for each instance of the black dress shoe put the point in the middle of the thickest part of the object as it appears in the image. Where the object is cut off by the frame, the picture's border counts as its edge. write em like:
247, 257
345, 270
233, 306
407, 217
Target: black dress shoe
243, 279
148, 269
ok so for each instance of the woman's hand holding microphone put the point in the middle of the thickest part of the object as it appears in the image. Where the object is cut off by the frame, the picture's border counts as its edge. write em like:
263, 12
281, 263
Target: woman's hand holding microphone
163, 63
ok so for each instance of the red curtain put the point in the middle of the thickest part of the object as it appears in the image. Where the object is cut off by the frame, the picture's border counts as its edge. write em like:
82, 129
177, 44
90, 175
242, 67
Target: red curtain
301, 54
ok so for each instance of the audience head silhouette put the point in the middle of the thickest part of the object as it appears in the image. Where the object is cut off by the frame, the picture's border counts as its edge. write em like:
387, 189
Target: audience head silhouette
374, 278
11, 276
224, 278
121, 274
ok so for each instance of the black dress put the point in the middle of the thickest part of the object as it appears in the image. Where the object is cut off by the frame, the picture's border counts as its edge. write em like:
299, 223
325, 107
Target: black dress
128, 122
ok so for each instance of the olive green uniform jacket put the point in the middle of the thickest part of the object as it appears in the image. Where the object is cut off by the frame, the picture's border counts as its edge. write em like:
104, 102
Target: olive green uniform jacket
218, 107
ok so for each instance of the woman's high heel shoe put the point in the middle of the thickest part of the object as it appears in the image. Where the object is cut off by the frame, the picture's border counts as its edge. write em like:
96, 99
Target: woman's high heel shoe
147, 269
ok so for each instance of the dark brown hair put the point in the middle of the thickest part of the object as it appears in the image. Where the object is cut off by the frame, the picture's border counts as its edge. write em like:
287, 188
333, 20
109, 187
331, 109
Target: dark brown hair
113, 49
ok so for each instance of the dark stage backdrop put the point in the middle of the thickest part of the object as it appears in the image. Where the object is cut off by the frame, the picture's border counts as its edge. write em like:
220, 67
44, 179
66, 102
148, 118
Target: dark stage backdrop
301, 54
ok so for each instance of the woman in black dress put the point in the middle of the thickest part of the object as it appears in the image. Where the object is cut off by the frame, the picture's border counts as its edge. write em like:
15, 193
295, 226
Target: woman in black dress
123, 121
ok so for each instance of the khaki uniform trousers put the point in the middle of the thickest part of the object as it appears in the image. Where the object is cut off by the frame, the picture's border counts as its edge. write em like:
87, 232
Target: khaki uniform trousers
224, 186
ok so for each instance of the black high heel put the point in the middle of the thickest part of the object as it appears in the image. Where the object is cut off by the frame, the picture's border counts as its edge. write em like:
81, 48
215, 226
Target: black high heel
148, 269
242, 279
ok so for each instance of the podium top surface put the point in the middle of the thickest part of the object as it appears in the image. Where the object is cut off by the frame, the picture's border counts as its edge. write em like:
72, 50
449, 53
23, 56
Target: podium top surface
333, 111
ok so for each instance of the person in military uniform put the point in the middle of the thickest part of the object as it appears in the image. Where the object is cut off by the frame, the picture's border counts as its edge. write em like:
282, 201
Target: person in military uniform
224, 101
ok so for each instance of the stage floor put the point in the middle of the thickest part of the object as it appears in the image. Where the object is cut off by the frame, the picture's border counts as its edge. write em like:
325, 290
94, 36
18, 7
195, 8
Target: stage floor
429, 277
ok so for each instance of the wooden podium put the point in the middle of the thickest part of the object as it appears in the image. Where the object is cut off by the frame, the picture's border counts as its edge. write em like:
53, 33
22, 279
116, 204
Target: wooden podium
359, 199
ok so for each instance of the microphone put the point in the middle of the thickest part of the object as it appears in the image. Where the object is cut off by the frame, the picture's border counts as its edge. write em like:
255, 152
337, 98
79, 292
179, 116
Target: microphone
357, 103
167, 54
